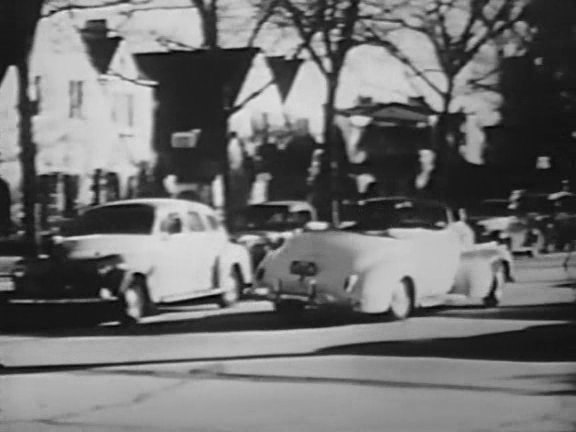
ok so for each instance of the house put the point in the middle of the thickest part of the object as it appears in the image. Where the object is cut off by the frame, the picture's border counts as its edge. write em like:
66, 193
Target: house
190, 124
93, 117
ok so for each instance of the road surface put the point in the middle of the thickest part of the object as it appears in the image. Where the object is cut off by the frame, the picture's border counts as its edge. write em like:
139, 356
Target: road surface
198, 368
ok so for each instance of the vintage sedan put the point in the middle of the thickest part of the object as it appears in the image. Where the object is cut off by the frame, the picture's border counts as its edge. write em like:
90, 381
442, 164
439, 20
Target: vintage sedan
265, 226
513, 225
137, 253
398, 255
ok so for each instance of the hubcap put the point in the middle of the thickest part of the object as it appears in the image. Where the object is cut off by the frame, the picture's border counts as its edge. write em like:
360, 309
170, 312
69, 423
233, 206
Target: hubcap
233, 291
400, 303
134, 303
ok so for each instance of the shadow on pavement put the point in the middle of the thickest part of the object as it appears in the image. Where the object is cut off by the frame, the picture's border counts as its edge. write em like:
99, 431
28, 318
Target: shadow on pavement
71, 322
546, 312
547, 343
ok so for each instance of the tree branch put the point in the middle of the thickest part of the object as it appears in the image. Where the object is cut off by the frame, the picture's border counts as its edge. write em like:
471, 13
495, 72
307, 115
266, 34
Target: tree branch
52, 10
306, 35
250, 97
395, 51
262, 20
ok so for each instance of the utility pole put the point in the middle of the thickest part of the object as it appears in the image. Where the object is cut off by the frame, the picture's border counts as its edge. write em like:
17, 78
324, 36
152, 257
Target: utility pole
18, 21
27, 158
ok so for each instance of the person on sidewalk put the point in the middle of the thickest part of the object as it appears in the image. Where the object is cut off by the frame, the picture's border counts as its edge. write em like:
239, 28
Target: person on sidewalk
5, 208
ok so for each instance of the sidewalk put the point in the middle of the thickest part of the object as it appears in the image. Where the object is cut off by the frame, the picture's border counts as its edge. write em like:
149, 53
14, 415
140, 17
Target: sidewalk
332, 393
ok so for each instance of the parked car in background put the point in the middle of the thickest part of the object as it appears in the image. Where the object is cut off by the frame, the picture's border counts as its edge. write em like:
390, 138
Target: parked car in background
265, 226
137, 253
539, 211
398, 254
564, 219
498, 220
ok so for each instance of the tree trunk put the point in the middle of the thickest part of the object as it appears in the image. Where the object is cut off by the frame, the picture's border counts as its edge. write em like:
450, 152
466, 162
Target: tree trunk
332, 195
27, 156
210, 25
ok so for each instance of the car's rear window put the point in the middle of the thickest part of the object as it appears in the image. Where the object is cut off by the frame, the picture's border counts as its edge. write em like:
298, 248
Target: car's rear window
117, 219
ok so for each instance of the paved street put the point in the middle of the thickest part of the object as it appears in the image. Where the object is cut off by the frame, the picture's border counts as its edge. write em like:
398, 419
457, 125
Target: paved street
199, 368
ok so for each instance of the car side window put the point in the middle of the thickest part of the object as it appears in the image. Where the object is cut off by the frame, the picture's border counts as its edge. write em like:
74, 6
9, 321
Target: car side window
213, 223
172, 224
302, 217
194, 222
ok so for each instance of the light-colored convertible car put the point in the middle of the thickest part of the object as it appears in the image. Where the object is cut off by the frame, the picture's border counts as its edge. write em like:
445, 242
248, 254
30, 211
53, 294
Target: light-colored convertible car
396, 255
137, 253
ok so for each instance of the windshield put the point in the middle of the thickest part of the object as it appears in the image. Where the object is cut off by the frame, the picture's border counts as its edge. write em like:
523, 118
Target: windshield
117, 219
491, 209
397, 214
567, 204
269, 217
536, 204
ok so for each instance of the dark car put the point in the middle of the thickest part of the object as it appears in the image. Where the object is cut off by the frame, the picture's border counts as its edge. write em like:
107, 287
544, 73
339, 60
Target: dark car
539, 210
264, 226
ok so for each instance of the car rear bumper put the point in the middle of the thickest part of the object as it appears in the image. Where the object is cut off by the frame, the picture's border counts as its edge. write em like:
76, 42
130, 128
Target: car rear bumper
306, 292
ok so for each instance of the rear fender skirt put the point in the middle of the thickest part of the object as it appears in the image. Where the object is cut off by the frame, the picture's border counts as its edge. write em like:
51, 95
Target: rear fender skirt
374, 290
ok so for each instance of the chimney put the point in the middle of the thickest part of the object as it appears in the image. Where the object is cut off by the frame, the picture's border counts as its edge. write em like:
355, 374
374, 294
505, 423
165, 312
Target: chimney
95, 29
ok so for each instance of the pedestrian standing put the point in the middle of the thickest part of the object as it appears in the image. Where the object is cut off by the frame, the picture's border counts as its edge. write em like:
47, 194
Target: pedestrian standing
5, 208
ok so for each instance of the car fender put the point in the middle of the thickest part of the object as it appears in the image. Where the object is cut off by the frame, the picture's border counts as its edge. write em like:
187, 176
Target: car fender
138, 262
235, 254
374, 287
476, 269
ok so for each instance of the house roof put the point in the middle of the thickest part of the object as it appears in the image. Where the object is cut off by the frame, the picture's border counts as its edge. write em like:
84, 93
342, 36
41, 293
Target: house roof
394, 112
284, 71
101, 50
194, 71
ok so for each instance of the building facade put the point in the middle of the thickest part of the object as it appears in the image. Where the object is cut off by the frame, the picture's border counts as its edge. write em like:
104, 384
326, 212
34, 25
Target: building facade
93, 118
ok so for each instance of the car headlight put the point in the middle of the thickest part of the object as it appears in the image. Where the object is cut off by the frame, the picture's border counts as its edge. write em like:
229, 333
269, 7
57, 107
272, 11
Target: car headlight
105, 269
108, 267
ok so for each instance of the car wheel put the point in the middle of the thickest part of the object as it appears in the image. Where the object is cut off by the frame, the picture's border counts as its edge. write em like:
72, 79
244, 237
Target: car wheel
232, 288
134, 302
401, 302
496, 292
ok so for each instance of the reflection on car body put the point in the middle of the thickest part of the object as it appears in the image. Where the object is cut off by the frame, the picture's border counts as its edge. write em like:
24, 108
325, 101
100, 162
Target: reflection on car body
398, 254
137, 253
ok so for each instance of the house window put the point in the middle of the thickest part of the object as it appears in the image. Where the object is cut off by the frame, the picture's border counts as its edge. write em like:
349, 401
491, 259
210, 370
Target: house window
76, 91
123, 110
37, 93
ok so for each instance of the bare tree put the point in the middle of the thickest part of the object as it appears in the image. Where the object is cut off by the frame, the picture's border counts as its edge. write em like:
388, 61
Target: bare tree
454, 32
327, 32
